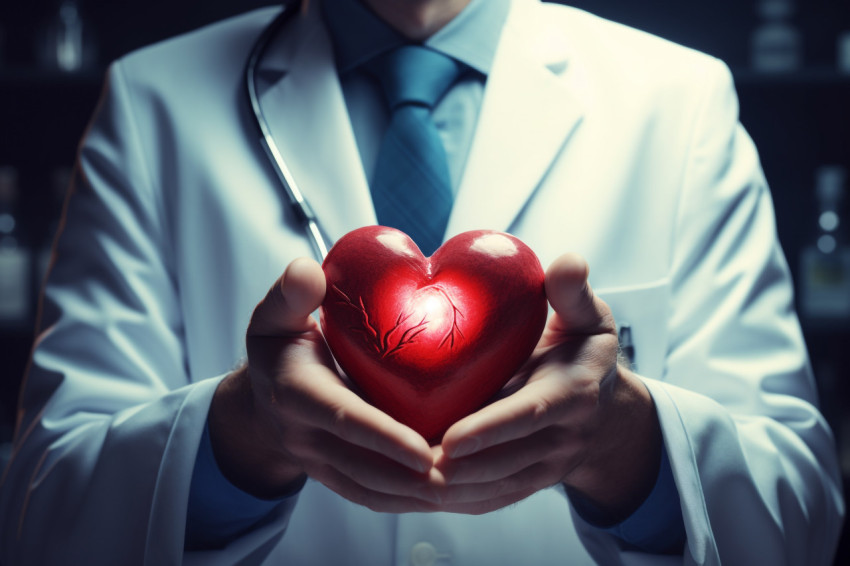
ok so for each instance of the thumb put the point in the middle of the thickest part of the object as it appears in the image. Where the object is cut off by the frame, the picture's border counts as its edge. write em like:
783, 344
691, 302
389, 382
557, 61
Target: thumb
286, 308
570, 294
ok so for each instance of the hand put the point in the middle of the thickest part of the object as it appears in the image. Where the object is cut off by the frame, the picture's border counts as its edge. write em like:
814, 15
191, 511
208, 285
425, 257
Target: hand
288, 413
579, 418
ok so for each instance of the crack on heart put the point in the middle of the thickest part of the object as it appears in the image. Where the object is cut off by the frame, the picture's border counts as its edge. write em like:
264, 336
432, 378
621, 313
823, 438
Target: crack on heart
455, 329
381, 342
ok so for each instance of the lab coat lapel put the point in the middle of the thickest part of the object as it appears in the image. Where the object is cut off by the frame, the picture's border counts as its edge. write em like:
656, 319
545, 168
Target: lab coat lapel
305, 108
526, 116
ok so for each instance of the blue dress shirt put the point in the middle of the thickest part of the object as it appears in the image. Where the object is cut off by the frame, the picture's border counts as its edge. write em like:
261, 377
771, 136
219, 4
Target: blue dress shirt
471, 38
218, 511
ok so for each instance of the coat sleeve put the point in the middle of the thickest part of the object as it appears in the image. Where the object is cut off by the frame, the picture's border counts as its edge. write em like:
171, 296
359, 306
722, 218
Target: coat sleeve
754, 460
109, 423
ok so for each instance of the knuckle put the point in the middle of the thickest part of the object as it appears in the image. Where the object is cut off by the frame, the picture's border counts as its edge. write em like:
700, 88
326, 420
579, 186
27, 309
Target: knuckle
340, 420
587, 298
541, 409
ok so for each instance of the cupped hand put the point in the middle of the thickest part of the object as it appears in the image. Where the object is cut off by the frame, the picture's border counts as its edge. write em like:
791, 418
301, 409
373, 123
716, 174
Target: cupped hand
288, 414
579, 418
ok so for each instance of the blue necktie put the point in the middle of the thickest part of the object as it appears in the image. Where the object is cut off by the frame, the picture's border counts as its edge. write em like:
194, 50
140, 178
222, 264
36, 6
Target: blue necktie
411, 187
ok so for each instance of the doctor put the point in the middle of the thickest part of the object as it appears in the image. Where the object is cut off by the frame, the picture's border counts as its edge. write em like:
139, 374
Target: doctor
143, 437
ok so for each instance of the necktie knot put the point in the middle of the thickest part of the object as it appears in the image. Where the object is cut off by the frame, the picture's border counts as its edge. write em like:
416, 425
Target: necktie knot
413, 74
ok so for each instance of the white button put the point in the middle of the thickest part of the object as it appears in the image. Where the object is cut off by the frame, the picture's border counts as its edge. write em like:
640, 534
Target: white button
423, 554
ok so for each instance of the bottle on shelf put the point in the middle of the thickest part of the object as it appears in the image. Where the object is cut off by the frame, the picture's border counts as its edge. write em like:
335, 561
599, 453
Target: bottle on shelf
15, 257
842, 56
825, 263
66, 42
776, 45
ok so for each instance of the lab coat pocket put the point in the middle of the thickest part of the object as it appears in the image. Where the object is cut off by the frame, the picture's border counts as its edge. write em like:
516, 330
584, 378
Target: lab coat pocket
643, 309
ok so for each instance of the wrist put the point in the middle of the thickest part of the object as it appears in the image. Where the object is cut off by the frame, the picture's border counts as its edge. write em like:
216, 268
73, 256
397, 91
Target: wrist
613, 480
245, 444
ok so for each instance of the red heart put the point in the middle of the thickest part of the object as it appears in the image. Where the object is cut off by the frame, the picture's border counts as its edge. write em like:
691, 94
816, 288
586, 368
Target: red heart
430, 340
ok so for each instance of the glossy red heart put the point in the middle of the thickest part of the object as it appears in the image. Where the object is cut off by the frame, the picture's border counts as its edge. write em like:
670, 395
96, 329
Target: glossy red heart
430, 340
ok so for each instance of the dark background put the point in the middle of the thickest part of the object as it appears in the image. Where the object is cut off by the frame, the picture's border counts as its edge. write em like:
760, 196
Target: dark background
800, 120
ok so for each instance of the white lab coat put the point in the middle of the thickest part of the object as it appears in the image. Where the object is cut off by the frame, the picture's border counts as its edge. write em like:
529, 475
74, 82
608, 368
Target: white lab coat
592, 137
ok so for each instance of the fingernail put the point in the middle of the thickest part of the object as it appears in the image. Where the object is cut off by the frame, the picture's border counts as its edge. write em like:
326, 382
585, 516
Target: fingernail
466, 447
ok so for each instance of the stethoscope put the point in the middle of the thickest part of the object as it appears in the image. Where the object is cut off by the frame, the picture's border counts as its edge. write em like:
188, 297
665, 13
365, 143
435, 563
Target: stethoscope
300, 207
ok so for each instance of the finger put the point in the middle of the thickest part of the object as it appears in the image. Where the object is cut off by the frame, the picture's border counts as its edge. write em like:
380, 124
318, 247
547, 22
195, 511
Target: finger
374, 500
578, 309
505, 460
369, 469
328, 405
540, 404
534, 478
286, 308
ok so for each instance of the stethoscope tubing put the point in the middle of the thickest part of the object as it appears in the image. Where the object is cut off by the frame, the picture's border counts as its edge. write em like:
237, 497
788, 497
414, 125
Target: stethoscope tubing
304, 213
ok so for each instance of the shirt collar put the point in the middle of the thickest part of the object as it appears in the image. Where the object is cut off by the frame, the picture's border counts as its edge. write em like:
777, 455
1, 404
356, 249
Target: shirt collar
471, 37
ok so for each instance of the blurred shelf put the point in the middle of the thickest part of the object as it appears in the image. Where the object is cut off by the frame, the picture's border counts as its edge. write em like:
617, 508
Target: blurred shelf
29, 77
829, 326
807, 77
